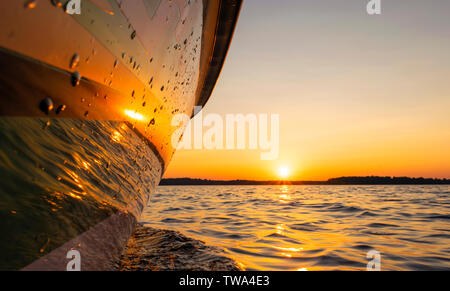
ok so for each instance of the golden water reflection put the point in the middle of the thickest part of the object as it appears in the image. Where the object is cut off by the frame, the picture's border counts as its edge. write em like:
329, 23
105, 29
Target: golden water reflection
292, 227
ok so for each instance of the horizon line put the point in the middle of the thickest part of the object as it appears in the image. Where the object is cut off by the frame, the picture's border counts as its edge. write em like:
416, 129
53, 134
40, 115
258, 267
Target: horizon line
350, 180
288, 180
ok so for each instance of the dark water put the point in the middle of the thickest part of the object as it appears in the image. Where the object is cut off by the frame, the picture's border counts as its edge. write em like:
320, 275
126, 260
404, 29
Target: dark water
312, 227
151, 249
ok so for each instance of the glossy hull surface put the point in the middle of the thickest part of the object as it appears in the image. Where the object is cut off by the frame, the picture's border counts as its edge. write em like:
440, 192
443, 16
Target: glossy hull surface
76, 175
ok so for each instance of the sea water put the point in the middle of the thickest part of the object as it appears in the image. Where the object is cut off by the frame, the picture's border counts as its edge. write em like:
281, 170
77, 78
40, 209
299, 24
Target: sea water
312, 227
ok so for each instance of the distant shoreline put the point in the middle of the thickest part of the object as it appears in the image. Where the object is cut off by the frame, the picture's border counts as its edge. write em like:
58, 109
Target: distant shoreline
370, 180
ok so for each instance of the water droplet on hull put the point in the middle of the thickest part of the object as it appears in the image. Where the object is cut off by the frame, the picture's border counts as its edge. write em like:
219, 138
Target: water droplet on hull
56, 3
46, 105
60, 108
76, 77
74, 61
30, 4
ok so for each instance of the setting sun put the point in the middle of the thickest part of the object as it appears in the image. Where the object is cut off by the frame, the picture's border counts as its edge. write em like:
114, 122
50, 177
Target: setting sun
283, 172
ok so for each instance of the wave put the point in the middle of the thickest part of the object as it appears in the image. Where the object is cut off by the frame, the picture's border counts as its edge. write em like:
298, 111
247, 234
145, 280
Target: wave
151, 249
316, 228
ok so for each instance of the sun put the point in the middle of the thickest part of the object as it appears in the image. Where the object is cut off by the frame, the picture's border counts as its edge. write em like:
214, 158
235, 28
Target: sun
283, 172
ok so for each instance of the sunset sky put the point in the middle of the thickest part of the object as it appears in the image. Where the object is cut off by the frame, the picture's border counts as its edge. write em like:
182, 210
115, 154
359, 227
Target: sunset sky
356, 94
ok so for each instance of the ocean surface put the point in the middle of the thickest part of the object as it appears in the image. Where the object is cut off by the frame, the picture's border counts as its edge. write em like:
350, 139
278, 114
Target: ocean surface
312, 227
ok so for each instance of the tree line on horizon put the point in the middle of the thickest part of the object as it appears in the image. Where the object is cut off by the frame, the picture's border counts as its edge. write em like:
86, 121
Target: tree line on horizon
368, 180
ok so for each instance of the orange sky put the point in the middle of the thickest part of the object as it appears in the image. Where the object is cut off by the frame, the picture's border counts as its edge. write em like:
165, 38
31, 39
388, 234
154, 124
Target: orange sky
356, 94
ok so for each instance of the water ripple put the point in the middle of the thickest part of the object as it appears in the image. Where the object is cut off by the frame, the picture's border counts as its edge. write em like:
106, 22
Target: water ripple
313, 227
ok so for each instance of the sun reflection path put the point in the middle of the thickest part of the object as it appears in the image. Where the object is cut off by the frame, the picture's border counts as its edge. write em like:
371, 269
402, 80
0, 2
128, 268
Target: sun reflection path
288, 249
284, 196
284, 189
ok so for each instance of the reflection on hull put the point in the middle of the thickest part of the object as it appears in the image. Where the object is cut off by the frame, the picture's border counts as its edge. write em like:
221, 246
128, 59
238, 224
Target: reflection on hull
60, 177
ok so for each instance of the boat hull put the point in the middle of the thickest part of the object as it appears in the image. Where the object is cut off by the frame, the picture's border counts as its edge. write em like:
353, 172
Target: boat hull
86, 118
